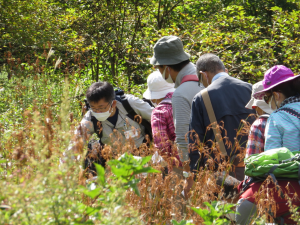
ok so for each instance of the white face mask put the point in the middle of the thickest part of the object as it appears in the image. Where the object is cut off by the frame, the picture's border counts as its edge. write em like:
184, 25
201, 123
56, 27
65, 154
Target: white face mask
276, 103
101, 116
164, 73
270, 102
154, 104
169, 80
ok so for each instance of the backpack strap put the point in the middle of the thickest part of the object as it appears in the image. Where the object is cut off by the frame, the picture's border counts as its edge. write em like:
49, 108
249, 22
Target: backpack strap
123, 99
191, 77
295, 158
213, 120
148, 101
247, 182
131, 114
270, 172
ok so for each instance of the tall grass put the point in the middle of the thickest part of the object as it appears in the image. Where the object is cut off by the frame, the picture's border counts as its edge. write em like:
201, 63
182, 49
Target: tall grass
39, 112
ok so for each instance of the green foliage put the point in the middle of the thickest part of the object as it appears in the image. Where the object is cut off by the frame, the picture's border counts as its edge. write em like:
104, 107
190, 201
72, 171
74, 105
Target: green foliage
114, 44
212, 214
29, 25
216, 210
247, 45
183, 222
124, 169
127, 167
39, 191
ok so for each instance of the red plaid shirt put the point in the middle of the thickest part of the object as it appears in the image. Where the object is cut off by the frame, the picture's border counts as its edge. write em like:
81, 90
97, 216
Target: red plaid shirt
163, 130
256, 138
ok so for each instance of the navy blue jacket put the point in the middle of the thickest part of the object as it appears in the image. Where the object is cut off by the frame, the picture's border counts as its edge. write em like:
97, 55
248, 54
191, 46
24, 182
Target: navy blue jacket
228, 96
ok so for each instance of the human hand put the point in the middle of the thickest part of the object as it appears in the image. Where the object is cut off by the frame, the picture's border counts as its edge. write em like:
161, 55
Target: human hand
186, 166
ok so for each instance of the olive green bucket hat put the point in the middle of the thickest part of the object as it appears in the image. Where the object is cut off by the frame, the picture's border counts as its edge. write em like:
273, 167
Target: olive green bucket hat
168, 51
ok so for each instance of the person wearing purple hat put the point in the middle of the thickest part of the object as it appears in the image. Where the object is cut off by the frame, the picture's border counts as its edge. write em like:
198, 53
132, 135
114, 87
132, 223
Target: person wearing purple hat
281, 92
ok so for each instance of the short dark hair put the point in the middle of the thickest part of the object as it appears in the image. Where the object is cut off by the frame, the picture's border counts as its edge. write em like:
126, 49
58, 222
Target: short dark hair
100, 90
209, 62
288, 89
179, 66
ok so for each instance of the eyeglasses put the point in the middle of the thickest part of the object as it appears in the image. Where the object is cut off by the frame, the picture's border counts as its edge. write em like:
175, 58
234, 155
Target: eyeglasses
267, 98
99, 109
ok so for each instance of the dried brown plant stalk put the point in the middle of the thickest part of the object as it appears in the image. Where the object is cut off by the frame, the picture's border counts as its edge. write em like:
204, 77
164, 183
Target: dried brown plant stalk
159, 201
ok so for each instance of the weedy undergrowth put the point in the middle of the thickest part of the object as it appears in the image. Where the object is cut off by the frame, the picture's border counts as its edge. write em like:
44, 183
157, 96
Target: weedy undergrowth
37, 123
215, 214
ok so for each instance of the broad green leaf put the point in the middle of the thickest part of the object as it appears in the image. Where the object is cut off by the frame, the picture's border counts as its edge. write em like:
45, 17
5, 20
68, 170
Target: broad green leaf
145, 160
100, 173
182, 222
146, 170
93, 193
133, 184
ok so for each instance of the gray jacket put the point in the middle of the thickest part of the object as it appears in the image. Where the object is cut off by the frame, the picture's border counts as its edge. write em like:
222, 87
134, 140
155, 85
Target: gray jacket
182, 104
124, 123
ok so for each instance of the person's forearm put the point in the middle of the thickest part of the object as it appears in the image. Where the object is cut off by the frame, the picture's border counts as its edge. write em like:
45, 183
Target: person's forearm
182, 146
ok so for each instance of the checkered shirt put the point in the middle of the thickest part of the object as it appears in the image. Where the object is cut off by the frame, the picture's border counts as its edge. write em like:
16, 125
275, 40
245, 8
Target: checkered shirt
163, 129
256, 138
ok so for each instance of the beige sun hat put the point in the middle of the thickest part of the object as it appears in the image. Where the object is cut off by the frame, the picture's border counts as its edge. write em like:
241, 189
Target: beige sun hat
256, 102
157, 86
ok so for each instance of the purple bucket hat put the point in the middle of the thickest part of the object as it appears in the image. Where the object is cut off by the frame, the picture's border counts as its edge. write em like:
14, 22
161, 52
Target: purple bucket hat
274, 76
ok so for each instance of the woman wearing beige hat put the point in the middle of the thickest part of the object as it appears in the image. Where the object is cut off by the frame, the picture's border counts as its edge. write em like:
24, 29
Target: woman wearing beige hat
160, 93
256, 138
255, 144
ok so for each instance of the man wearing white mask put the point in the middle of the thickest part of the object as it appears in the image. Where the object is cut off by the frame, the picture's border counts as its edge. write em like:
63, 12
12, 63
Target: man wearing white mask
174, 65
109, 118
